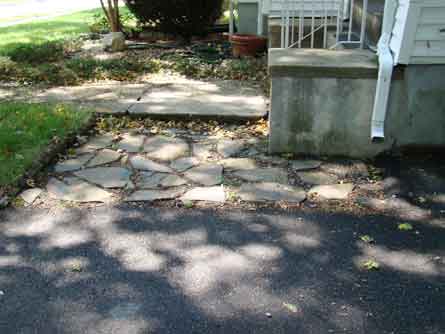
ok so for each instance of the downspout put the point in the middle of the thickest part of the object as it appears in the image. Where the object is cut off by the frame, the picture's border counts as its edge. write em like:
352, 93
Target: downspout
386, 67
260, 18
231, 18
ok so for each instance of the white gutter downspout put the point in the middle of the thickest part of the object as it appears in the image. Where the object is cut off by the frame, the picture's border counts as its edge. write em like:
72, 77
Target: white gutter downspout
231, 18
386, 67
260, 18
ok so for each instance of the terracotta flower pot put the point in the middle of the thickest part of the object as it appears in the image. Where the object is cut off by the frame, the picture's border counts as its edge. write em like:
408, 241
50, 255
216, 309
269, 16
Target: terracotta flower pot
247, 45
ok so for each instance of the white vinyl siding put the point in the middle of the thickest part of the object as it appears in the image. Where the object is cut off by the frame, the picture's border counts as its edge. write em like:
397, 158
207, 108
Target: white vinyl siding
419, 32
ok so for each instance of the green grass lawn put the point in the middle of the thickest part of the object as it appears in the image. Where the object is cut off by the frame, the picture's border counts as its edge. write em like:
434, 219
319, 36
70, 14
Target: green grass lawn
10, 1
22, 17
58, 28
27, 129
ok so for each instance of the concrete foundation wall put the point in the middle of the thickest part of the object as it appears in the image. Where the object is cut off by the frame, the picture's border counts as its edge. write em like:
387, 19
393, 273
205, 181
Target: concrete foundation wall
323, 104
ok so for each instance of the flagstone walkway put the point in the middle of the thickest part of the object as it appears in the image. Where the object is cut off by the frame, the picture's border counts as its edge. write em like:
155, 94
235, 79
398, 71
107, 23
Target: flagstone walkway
179, 163
183, 165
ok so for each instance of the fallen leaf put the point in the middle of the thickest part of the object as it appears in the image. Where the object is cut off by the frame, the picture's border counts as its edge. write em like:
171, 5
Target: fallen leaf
188, 204
76, 268
421, 199
370, 265
405, 227
291, 307
366, 238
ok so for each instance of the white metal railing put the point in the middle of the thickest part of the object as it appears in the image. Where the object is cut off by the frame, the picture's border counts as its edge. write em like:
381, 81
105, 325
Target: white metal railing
303, 19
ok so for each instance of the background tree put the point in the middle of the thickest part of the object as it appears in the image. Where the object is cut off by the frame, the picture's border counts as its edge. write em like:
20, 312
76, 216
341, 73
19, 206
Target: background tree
111, 10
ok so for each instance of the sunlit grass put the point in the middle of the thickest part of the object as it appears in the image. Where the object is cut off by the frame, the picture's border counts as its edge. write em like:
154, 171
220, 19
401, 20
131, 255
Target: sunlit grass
58, 28
7, 2
27, 129
22, 17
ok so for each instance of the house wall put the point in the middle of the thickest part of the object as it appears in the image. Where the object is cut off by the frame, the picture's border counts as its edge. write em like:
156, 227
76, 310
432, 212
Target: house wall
418, 35
248, 17
322, 103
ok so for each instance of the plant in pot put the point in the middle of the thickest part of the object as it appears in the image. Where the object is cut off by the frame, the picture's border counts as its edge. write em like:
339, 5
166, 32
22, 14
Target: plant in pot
115, 40
247, 45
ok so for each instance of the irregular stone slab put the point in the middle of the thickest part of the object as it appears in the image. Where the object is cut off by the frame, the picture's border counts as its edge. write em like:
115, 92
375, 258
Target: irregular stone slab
207, 175
208, 194
334, 191
141, 163
202, 151
77, 192
299, 165
228, 148
165, 148
149, 180
220, 98
131, 143
124, 160
84, 150
107, 177
348, 168
269, 191
317, 177
4, 201
30, 195
276, 175
252, 152
273, 159
100, 142
183, 164
153, 195
173, 181
104, 157
72, 164
130, 186
239, 164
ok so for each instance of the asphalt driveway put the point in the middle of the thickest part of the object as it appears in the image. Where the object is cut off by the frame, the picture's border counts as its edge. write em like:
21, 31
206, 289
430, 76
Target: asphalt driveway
133, 270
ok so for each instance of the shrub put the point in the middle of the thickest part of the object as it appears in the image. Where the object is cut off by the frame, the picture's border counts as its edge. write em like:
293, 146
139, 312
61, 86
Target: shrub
128, 23
179, 17
35, 53
109, 69
74, 71
7, 68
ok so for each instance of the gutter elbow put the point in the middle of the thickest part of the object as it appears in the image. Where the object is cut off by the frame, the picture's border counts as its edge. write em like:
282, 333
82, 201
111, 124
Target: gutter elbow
386, 66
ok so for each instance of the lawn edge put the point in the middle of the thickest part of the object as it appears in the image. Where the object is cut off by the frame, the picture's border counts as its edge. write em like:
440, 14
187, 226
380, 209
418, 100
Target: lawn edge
46, 157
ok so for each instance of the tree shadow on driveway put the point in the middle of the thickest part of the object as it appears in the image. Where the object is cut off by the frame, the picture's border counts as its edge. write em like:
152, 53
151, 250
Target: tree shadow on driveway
129, 270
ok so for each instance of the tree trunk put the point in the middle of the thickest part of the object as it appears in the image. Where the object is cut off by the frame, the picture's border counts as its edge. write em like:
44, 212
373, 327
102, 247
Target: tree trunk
111, 11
